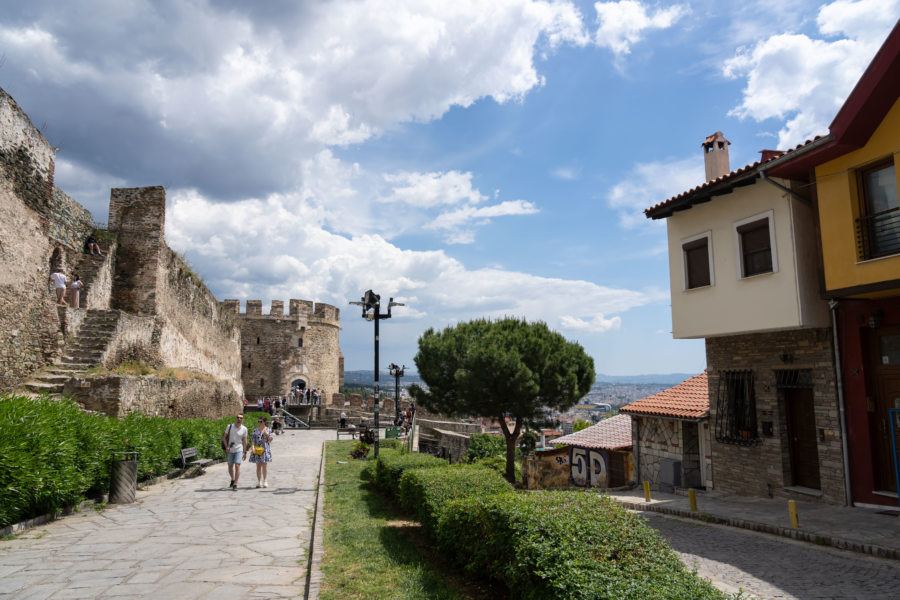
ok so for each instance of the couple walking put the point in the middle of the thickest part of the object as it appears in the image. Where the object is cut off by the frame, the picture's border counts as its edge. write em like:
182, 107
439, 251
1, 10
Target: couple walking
235, 439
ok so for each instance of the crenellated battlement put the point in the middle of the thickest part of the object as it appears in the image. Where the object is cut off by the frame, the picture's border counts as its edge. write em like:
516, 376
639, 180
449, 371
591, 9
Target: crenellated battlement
296, 309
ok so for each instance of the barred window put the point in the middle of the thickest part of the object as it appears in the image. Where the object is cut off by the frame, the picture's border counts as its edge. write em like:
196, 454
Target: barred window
736, 409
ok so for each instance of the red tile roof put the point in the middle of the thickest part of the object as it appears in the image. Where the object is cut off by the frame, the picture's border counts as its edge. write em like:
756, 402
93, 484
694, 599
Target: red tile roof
687, 400
613, 433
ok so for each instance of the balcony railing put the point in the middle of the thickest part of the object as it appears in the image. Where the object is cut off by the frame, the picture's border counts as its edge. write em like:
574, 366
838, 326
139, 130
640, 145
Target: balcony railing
878, 234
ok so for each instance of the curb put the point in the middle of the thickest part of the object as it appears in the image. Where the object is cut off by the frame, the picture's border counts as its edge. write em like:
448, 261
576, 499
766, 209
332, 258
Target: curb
788, 532
316, 550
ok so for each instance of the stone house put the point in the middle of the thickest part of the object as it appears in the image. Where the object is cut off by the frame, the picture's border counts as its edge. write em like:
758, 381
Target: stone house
744, 276
597, 456
671, 436
852, 176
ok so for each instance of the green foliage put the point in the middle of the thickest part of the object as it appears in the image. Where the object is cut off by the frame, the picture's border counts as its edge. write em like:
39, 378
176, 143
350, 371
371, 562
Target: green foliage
580, 424
424, 493
392, 464
53, 454
498, 463
392, 444
564, 545
482, 445
499, 368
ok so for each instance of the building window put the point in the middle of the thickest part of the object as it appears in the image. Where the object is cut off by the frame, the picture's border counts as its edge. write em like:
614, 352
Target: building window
736, 409
249, 365
756, 245
257, 340
878, 227
299, 342
262, 382
697, 261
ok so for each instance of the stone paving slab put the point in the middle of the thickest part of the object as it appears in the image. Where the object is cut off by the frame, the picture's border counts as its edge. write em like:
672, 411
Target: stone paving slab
860, 530
185, 538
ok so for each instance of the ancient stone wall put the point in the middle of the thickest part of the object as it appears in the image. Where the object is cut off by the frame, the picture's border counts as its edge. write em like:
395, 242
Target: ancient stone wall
29, 326
117, 395
764, 469
278, 349
137, 218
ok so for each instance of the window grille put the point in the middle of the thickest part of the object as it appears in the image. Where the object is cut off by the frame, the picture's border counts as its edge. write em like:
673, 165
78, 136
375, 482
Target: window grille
793, 378
736, 409
878, 226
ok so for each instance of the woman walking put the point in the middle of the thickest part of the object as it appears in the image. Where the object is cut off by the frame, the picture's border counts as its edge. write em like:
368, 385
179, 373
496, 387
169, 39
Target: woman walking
261, 453
75, 288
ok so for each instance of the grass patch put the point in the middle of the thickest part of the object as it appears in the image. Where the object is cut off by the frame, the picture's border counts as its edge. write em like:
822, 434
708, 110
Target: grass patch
371, 550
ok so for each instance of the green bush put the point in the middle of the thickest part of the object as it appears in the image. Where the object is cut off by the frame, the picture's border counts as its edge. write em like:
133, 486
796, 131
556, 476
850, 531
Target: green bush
391, 464
498, 463
53, 454
565, 545
424, 493
483, 445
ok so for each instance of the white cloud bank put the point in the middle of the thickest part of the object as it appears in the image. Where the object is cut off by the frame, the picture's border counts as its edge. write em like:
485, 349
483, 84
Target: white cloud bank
805, 80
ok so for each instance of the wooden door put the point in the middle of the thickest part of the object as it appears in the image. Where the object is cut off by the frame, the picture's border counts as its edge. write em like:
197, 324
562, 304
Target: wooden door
804, 448
884, 379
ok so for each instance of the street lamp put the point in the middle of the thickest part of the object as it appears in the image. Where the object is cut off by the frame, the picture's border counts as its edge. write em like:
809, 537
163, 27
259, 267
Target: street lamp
396, 373
372, 302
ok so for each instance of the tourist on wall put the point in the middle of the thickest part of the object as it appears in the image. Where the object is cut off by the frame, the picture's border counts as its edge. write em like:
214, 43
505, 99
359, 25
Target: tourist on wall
58, 279
262, 452
235, 439
343, 420
259, 403
75, 291
92, 246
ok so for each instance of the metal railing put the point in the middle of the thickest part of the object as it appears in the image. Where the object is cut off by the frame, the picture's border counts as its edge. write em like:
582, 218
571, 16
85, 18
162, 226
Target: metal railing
291, 420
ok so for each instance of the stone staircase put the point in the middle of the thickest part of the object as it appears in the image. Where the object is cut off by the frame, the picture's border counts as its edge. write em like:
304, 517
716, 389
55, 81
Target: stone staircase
87, 266
93, 338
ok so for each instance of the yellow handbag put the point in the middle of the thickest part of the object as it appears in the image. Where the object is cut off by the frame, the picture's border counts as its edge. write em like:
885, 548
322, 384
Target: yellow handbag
259, 450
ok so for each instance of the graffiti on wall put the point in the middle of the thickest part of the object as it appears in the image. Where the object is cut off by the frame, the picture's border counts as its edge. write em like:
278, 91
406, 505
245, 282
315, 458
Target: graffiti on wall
588, 467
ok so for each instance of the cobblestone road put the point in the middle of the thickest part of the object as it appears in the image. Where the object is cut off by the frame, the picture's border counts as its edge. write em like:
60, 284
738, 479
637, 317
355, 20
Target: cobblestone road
766, 566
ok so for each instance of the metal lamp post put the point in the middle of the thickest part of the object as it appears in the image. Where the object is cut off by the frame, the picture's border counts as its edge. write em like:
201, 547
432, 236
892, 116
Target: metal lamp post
372, 302
396, 372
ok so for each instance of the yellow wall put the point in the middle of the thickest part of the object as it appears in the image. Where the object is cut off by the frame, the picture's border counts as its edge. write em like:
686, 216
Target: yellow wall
839, 208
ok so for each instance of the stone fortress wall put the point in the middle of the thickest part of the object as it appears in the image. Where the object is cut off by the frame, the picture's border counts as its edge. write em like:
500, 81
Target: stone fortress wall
38, 225
278, 349
164, 313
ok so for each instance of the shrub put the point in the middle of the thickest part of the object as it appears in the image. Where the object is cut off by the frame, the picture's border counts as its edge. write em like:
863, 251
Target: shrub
392, 464
580, 424
565, 545
482, 445
53, 454
424, 493
498, 463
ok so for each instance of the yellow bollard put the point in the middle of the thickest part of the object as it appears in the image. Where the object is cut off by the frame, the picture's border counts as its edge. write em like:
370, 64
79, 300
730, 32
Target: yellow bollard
792, 509
692, 496
646, 491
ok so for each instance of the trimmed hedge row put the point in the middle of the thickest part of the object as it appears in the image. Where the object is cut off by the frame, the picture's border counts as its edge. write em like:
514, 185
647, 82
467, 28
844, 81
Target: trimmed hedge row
425, 492
564, 545
391, 464
53, 454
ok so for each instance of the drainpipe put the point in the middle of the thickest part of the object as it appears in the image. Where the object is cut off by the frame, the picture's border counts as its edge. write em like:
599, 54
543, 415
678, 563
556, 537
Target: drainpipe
793, 194
839, 384
637, 450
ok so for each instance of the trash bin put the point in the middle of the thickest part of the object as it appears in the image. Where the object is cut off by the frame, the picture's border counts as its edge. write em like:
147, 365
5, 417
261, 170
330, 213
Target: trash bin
123, 481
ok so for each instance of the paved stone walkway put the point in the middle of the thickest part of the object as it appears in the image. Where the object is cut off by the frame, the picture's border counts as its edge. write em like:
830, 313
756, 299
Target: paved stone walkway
767, 566
185, 538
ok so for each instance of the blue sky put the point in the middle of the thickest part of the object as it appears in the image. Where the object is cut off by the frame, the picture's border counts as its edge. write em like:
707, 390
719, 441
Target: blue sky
470, 159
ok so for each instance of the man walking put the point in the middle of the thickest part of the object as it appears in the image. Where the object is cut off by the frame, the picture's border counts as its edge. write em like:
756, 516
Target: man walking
235, 438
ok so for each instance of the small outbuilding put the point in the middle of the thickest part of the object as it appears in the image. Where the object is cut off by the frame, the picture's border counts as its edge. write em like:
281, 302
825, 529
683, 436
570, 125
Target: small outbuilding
671, 436
598, 456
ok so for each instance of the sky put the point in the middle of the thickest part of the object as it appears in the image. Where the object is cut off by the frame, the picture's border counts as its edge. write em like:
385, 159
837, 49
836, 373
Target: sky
469, 159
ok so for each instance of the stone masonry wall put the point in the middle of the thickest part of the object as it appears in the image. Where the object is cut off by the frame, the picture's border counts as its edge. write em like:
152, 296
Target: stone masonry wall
116, 395
764, 470
29, 326
273, 355
137, 217
661, 438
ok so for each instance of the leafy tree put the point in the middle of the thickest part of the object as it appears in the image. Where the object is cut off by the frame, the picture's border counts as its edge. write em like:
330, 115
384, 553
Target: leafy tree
482, 445
580, 424
505, 368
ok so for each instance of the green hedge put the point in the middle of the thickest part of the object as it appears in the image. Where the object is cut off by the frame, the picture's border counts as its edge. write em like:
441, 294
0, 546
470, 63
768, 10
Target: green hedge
565, 545
424, 493
391, 464
483, 445
53, 454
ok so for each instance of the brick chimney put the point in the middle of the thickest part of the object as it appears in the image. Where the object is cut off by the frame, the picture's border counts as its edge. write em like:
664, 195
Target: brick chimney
715, 156
767, 155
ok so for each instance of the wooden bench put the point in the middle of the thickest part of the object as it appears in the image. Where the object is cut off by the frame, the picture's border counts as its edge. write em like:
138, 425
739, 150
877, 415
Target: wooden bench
351, 431
187, 453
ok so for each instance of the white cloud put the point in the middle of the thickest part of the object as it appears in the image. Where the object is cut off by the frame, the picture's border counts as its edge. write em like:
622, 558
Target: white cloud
428, 190
276, 248
565, 173
650, 183
597, 324
624, 23
805, 80
482, 215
